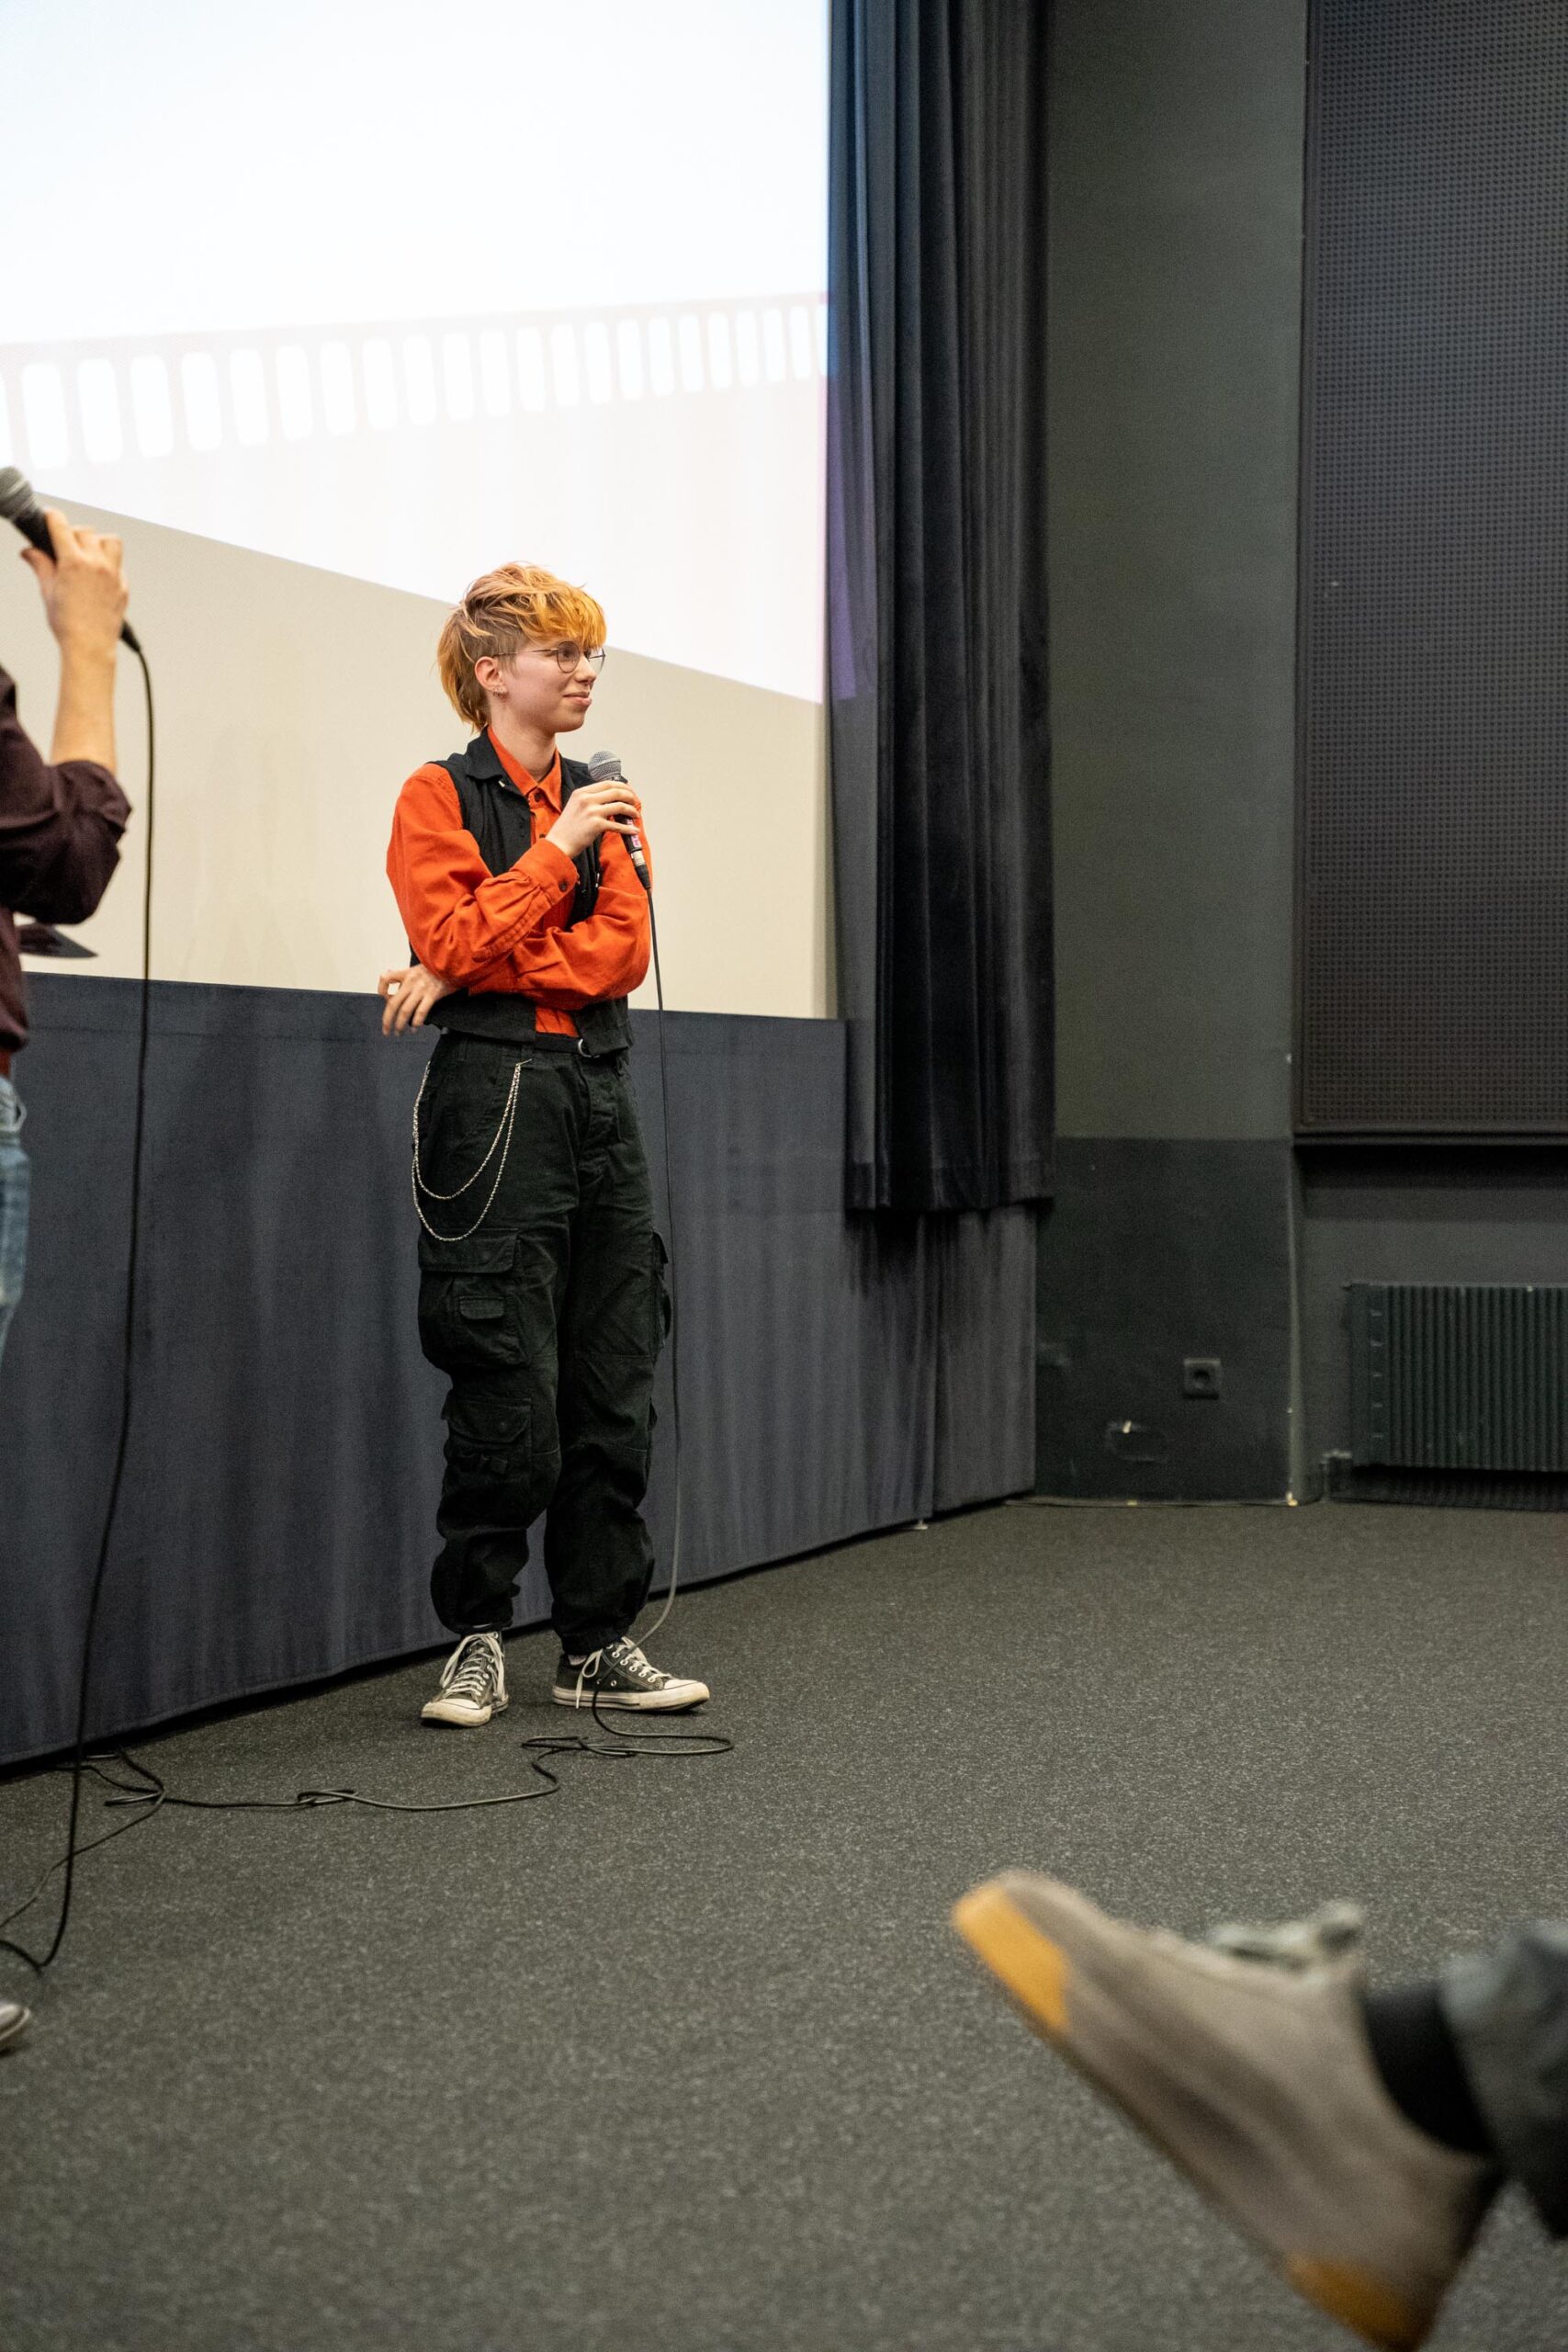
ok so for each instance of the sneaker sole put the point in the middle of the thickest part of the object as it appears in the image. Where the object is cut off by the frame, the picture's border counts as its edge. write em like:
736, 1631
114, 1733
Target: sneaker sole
1037, 1974
459, 1713
632, 1703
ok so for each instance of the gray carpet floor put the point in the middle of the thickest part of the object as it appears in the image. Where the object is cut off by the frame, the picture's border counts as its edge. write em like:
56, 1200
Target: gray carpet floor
687, 2058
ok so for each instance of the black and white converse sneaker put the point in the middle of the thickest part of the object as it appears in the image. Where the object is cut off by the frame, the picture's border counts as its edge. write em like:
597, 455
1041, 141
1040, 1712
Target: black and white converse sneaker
473, 1683
619, 1675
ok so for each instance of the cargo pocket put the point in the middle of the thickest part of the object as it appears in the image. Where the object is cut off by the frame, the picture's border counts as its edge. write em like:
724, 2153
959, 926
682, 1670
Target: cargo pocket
489, 1425
470, 1316
462, 1108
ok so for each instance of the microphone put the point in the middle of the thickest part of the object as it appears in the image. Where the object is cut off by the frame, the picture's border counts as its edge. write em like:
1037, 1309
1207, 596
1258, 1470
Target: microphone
605, 768
19, 505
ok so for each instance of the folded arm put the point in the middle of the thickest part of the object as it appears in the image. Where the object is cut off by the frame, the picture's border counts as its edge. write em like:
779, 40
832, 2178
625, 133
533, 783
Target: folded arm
604, 957
461, 918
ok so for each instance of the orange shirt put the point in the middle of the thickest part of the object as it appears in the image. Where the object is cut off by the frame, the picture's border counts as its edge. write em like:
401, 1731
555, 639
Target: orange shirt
507, 931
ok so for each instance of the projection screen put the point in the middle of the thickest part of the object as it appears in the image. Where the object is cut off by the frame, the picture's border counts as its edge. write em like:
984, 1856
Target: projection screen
399, 291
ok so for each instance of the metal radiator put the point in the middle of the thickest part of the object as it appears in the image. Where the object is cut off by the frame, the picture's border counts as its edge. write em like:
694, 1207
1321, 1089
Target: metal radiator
1459, 1375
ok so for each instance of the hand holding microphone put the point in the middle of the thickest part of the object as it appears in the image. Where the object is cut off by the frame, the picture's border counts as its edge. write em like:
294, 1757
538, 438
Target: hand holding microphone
605, 768
80, 574
82, 579
606, 805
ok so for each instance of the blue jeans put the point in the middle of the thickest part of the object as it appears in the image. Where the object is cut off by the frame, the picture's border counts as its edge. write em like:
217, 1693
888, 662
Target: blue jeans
13, 1173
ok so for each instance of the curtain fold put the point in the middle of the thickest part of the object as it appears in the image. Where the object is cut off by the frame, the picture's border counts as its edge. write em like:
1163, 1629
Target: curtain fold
936, 599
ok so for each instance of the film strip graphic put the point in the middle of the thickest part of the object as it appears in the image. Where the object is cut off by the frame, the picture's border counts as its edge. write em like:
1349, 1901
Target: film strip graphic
107, 404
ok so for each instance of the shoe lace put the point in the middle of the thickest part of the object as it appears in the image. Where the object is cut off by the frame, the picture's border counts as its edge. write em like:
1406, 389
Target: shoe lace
627, 1657
471, 1671
631, 1660
587, 1667
1334, 1932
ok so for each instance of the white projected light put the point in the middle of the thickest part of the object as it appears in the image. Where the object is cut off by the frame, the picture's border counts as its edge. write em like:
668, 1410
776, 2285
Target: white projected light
545, 281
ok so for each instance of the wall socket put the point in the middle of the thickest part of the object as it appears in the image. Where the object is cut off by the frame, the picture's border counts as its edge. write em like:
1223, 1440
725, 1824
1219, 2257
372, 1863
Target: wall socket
1200, 1376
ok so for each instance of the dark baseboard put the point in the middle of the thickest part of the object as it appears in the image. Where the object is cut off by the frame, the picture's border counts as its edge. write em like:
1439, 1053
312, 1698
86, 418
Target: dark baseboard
1349, 1482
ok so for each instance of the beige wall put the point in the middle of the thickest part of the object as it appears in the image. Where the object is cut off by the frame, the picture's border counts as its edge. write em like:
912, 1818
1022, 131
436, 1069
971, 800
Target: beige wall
291, 702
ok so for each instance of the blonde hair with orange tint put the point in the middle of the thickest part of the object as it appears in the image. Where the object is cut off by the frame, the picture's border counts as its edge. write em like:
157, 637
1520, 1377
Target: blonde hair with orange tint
521, 604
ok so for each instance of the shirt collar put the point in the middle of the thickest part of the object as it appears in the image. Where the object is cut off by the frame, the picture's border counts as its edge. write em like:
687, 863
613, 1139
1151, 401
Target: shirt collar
548, 784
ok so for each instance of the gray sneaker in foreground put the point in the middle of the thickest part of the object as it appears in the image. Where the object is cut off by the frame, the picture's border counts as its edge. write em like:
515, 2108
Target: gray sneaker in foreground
619, 1675
1258, 2080
472, 1686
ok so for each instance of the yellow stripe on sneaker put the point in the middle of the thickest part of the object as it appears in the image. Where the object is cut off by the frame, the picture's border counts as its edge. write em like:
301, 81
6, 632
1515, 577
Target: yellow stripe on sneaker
1359, 2301
1033, 1968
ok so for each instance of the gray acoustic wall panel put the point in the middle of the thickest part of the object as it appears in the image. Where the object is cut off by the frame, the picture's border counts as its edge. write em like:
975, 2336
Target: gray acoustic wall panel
1433, 884
1171, 449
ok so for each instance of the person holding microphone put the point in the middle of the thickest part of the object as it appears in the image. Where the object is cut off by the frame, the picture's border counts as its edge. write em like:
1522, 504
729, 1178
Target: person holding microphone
542, 1287
61, 819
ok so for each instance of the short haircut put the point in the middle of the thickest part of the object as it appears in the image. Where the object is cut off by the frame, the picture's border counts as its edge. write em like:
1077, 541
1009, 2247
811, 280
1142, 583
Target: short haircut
521, 604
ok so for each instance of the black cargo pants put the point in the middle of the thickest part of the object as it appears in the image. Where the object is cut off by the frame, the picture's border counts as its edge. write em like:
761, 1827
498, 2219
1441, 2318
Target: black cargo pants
548, 1318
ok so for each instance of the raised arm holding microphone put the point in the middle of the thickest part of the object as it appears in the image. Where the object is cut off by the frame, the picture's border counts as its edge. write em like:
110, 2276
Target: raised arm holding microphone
61, 821
542, 1292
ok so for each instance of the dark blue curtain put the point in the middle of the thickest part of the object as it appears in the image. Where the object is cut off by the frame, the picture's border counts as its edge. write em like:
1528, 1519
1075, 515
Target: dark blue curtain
937, 598
837, 1373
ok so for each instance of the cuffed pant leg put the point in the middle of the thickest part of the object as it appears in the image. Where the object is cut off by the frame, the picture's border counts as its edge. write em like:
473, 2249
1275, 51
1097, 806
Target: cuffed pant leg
502, 1461
1508, 2010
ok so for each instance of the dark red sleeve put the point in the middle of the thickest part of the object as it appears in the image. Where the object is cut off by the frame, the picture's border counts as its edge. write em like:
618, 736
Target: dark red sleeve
60, 827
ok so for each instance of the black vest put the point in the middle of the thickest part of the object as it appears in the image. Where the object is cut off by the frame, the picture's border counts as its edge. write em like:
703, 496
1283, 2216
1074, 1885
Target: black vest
502, 822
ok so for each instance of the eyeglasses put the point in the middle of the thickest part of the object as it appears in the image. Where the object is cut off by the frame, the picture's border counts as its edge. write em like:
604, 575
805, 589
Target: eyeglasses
567, 658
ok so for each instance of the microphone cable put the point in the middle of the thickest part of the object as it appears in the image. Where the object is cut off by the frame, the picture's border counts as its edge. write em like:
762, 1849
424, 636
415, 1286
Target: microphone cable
674, 1279
149, 1793
126, 1395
